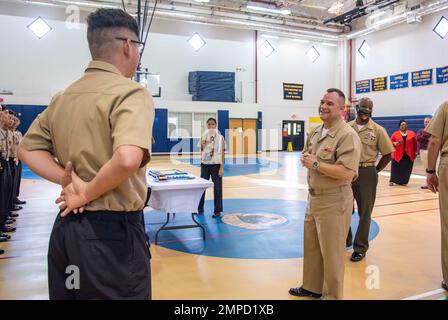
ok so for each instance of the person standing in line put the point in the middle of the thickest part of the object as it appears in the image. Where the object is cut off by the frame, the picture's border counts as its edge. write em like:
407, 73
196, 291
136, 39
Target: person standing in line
99, 130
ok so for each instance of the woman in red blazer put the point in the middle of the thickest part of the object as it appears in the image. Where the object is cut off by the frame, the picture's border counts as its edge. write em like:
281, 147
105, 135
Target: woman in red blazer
405, 142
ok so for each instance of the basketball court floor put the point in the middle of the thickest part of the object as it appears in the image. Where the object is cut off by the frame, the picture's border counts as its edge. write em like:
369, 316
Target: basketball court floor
255, 250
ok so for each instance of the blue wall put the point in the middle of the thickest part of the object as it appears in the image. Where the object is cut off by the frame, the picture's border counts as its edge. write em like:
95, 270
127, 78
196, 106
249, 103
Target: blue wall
415, 123
28, 113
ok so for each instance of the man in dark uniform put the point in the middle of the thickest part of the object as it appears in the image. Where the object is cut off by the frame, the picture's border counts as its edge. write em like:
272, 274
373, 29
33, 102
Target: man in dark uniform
100, 128
374, 140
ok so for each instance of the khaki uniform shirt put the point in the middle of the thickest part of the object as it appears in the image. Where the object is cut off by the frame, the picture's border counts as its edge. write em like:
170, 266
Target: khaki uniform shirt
341, 146
3, 149
88, 121
438, 127
10, 148
374, 140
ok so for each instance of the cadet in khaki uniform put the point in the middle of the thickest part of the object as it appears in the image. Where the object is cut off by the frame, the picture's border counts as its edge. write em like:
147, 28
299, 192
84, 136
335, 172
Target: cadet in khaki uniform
374, 140
99, 131
438, 128
332, 157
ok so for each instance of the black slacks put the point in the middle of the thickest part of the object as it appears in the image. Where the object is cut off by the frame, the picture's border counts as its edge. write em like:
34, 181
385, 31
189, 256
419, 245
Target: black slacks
207, 171
99, 255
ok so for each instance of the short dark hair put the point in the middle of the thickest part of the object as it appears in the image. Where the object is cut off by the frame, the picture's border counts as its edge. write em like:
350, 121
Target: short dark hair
211, 119
401, 121
108, 18
339, 92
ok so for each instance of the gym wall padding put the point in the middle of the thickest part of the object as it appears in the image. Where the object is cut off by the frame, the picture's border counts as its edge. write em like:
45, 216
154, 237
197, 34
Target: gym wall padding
415, 122
212, 86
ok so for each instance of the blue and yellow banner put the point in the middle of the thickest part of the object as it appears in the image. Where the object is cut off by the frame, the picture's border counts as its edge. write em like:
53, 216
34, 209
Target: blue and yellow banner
363, 86
422, 78
399, 81
442, 74
292, 91
379, 84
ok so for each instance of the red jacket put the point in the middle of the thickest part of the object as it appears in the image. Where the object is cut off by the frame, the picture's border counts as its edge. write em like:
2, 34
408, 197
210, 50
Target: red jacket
411, 145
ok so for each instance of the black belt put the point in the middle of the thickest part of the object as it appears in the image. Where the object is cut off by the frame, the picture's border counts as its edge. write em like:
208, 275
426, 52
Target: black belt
109, 215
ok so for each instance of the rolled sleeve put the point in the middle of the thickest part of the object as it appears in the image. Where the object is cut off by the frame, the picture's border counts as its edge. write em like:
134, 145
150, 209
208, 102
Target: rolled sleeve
132, 122
384, 144
437, 124
38, 136
348, 153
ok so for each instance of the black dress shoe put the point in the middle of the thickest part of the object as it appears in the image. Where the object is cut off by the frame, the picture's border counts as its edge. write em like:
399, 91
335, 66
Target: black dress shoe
5, 235
3, 239
7, 229
18, 201
357, 256
300, 292
10, 221
13, 214
17, 208
444, 285
2, 251
216, 215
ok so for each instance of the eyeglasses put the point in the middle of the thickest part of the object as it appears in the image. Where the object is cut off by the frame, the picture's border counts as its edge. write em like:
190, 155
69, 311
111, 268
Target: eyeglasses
140, 44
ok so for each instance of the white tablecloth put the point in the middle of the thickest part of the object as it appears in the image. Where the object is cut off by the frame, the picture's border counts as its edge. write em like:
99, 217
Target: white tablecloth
177, 196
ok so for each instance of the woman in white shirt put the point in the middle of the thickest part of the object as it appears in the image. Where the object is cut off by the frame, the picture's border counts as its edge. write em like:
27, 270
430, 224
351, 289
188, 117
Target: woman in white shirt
212, 146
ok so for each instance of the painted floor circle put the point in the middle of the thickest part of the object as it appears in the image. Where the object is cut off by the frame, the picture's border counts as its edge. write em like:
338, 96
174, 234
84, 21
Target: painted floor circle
264, 229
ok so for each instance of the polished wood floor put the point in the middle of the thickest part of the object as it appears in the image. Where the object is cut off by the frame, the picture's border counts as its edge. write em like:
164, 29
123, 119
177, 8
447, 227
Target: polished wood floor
406, 252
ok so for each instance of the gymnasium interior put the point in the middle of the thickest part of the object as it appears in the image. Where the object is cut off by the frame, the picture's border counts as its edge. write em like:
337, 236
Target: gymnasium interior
260, 68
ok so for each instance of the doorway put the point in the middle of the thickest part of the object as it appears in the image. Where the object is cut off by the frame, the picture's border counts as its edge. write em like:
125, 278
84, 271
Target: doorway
293, 131
242, 136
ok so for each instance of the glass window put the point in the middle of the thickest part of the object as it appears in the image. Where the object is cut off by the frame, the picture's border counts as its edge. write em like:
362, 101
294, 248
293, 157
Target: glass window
180, 124
188, 124
199, 123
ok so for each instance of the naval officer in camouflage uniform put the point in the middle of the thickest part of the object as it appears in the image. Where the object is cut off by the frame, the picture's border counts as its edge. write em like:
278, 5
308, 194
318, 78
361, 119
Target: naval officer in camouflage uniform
331, 156
374, 140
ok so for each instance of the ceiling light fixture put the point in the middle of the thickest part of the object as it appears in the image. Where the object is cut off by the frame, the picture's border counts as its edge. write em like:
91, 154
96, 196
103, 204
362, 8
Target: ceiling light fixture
39, 27
301, 40
441, 28
364, 49
196, 42
313, 54
266, 48
268, 36
269, 10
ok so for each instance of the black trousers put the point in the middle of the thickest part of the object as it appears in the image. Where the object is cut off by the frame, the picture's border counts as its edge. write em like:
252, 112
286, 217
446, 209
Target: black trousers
18, 180
12, 182
207, 171
99, 255
4, 192
364, 192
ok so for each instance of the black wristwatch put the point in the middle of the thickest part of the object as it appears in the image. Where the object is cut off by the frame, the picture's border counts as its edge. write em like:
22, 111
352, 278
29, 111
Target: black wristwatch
430, 171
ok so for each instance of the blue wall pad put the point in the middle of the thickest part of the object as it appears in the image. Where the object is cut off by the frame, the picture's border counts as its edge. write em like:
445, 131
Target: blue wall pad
240, 166
212, 86
414, 122
255, 229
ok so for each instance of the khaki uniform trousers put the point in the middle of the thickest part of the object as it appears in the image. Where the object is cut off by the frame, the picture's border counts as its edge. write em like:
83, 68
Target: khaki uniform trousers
443, 202
326, 226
